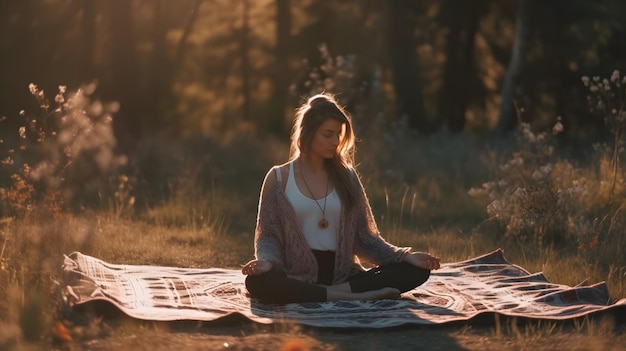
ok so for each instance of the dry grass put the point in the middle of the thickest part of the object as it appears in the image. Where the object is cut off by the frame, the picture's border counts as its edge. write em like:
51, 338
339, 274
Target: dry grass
31, 269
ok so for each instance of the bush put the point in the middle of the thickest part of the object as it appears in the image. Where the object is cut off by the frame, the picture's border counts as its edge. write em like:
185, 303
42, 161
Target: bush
539, 198
62, 155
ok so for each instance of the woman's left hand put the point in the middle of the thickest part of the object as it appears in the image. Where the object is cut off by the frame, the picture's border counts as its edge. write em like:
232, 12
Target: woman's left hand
255, 267
423, 260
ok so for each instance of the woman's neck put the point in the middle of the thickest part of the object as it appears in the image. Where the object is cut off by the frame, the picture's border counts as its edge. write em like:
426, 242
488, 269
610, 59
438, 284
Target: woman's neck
313, 164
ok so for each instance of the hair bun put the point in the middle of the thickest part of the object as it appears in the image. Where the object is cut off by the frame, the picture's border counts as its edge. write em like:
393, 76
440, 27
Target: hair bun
318, 99
322, 101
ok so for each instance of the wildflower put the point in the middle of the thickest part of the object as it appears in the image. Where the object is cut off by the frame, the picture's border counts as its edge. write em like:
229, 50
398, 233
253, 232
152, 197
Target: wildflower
594, 242
600, 105
615, 76
295, 345
475, 191
22, 132
59, 99
557, 128
585, 80
519, 192
543, 172
537, 175
517, 161
61, 333
494, 208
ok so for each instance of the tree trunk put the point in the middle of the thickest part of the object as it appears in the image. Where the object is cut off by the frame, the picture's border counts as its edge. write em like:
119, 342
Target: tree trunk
404, 65
88, 37
245, 61
281, 74
161, 70
122, 82
508, 114
462, 19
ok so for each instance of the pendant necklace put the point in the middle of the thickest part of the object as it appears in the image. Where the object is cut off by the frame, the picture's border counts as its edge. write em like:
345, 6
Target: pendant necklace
323, 223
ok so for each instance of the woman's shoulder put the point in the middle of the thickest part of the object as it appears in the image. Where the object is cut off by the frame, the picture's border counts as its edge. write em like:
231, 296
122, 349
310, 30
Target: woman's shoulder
280, 171
284, 167
278, 174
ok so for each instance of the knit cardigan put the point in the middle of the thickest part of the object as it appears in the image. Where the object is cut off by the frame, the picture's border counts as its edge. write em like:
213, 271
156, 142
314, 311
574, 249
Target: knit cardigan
279, 238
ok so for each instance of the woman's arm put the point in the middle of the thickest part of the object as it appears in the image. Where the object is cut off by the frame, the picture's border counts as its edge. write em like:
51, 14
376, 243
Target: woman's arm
369, 245
267, 244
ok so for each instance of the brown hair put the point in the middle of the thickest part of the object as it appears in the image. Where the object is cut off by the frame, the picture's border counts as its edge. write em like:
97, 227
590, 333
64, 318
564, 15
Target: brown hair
309, 117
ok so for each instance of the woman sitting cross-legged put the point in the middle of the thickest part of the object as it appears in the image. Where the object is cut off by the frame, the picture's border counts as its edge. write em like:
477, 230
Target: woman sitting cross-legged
315, 227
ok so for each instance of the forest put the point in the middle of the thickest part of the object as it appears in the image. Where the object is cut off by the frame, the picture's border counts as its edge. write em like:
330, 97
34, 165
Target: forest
129, 104
200, 68
196, 71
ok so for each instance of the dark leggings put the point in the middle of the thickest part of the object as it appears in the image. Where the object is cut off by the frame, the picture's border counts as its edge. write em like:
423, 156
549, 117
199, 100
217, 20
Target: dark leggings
276, 287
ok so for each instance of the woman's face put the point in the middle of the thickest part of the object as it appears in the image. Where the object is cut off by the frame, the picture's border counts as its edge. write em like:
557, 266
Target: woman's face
326, 139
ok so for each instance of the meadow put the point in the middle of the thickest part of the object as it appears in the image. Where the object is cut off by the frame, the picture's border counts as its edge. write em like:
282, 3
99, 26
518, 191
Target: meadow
194, 205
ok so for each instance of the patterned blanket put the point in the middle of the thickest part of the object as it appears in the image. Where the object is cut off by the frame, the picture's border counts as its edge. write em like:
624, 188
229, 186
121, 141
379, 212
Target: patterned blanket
459, 291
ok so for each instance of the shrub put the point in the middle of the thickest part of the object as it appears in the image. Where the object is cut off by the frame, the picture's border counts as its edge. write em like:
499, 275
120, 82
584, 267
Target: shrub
63, 155
531, 196
540, 198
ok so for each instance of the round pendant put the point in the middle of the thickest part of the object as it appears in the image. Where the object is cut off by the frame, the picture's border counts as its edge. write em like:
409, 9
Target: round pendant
323, 223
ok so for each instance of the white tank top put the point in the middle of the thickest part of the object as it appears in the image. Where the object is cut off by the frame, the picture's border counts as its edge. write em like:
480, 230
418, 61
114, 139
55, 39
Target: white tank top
309, 215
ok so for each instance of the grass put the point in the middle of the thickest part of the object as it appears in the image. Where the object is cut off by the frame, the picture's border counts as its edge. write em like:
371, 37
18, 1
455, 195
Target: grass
209, 223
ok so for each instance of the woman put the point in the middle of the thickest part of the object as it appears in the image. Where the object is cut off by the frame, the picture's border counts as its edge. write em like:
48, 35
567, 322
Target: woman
315, 227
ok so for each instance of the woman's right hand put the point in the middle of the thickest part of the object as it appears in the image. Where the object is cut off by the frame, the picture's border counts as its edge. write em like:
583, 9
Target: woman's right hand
423, 260
255, 267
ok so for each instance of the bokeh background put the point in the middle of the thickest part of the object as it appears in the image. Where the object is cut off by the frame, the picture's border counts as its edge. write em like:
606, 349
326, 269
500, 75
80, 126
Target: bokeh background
205, 68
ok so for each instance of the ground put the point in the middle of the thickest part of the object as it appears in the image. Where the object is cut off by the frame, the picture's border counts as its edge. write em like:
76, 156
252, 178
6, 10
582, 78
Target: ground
123, 333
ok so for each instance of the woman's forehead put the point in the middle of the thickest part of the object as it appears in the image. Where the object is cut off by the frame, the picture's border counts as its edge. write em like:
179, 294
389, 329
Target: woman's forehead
331, 125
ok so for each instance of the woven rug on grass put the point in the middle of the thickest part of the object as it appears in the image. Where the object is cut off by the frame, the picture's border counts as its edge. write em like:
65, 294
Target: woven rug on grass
460, 291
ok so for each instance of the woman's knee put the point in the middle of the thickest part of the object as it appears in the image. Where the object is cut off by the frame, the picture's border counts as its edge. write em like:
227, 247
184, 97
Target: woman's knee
262, 286
415, 276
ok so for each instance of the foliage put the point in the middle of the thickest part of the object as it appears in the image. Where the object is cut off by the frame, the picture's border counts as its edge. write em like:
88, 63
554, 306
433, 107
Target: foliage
355, 84
541, 199
192, 57
63, 155
607, 100
529, 197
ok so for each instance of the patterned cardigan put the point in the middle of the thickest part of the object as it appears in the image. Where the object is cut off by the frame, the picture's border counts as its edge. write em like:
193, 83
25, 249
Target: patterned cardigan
279, 238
